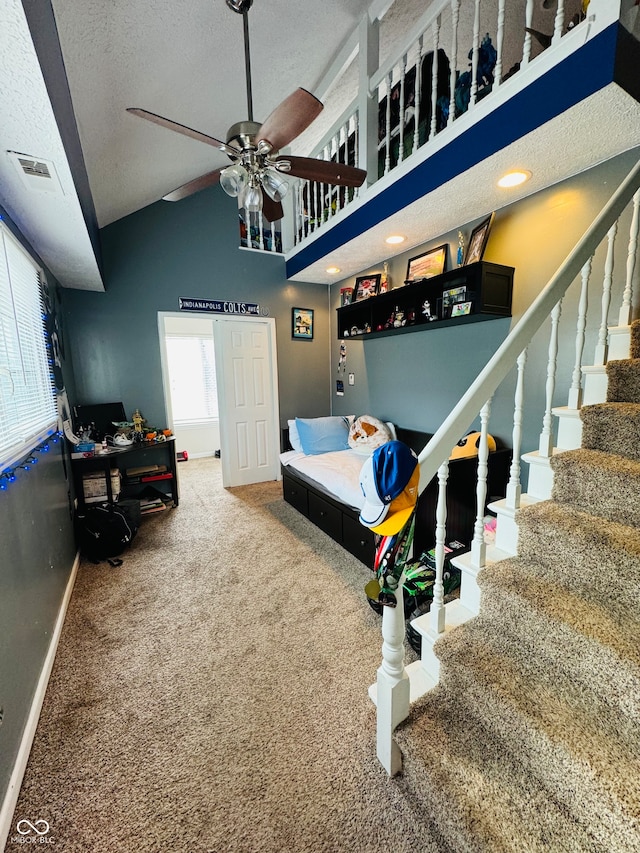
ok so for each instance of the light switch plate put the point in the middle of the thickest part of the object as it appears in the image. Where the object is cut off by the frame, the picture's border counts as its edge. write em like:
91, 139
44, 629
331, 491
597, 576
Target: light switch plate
352, 379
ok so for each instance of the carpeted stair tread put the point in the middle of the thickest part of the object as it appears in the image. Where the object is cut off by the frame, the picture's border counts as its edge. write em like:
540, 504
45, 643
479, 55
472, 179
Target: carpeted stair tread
584, 760
623, 381
612, 428
598, 559
480, 796
576, 640
600, 483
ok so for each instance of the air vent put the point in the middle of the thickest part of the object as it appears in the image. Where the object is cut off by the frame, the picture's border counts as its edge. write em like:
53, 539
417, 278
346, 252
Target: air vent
36, 172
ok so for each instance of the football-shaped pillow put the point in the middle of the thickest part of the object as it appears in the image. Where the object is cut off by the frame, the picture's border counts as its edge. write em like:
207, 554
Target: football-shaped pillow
367, 433
469, 444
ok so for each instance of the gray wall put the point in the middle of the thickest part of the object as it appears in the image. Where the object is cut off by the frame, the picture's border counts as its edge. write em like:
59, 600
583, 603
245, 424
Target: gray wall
36, 537
188, 248
415, 379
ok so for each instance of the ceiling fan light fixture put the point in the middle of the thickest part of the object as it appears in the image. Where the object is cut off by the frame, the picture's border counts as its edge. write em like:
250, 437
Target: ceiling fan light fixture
274, 186
234, 180
252, 199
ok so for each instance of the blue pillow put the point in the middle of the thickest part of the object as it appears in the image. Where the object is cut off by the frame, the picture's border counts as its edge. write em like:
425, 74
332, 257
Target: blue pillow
322, 435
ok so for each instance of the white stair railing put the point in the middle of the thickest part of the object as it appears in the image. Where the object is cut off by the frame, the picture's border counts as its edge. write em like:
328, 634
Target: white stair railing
476, 402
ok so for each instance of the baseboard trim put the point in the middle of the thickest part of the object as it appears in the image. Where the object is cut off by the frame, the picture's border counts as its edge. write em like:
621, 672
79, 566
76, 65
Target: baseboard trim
17, 775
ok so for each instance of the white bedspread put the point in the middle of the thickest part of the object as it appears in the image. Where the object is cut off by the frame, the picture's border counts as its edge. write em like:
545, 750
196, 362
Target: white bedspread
338, 472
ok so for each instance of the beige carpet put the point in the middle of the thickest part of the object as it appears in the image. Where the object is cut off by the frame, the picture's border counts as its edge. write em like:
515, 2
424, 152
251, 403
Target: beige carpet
531, 741
211, 693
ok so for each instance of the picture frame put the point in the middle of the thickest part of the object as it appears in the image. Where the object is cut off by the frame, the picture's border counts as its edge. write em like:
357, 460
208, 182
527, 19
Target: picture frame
461, 309
427, 264
366, 286
478, 241
302, 324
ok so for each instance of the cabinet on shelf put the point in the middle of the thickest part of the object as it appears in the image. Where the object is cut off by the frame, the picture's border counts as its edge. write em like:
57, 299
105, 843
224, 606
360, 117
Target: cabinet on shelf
468, 294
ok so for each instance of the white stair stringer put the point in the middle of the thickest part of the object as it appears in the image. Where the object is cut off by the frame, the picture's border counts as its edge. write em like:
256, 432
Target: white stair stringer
540, 484
595, 384
507, 528
455, 614
619, 342
469, 589
569, 427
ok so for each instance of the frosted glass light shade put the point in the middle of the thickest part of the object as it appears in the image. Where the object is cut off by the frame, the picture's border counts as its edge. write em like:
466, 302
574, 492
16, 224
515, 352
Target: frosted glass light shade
234, 179
252, 199
274, 186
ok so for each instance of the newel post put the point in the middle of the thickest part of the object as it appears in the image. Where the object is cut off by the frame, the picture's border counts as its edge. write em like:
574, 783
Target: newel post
392, 685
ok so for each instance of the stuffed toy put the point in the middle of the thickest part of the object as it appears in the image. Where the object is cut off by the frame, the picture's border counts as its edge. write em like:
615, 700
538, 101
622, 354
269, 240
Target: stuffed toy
367, 433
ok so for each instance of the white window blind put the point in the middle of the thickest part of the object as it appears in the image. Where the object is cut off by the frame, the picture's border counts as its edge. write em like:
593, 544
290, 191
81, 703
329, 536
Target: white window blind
27, 398
192, 378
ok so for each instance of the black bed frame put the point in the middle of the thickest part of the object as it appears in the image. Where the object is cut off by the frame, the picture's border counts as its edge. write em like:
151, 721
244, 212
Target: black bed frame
341, 522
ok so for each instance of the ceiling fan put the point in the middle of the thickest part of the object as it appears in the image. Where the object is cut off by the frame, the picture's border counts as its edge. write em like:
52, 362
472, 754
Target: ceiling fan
256, 174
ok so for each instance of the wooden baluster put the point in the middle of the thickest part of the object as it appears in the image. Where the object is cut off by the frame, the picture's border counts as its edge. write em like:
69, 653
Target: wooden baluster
602, 347
434, 78
318, 204
356, 136
514, 487
546, 439
403, 72
474, 55
455, 20
558, 24
575, 392
418, 96
392, 701
625, 314
478, 546
497, 78
260, 223
526, 49
437, 612
387, 159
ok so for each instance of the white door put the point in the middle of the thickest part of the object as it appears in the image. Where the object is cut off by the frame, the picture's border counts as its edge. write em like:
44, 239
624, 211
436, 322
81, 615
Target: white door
246, 372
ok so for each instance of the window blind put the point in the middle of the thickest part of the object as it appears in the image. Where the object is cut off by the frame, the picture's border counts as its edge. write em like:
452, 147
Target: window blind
192, 378
27, 397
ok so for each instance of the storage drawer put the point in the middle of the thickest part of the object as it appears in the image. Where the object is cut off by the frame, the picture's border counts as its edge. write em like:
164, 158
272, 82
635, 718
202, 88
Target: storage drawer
296, 495
326, 516
358, 540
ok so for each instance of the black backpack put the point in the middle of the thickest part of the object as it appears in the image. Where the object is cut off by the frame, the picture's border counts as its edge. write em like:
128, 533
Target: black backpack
105, 530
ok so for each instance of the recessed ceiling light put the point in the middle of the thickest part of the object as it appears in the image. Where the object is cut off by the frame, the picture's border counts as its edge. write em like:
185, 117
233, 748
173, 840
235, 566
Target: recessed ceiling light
333, 270
514, 179
395, 238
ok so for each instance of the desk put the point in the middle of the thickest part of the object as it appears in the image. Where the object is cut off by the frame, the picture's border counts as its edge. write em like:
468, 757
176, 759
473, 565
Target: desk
123, 458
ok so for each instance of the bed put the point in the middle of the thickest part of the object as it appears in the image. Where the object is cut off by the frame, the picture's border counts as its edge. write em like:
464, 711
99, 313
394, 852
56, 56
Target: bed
325, 488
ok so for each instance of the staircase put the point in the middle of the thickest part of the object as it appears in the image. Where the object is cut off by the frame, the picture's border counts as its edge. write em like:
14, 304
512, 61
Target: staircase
530, 741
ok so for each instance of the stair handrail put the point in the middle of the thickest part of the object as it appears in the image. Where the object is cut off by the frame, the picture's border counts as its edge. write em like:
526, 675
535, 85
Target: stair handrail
438, 449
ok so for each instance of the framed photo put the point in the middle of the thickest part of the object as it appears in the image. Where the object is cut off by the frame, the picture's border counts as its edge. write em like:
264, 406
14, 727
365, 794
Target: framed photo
366, 286
478, 241
459, 309
427, 264
453, 296
302, 324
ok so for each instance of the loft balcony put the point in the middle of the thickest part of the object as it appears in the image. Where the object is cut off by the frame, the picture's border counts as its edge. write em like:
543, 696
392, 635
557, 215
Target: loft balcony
475, 87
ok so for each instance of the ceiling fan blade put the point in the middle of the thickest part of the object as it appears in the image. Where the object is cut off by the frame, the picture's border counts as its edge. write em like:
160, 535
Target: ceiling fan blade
325, 171
185, 131
194, 186
271, 210
289, 119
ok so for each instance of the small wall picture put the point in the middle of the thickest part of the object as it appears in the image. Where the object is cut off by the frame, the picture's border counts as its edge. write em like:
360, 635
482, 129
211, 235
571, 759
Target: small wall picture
366, 286
427, 264
478, 241
453, 296
346, 295
302, 324
460, 309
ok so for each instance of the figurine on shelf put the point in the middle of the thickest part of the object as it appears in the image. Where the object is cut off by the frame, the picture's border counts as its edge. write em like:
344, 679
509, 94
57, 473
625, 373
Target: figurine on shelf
400, 319
460, 248
385, 281
411, 317
138, 421
426, 311
391, 321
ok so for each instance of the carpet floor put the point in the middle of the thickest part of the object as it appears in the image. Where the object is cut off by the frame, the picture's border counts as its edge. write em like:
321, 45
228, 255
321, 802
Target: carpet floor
210, 694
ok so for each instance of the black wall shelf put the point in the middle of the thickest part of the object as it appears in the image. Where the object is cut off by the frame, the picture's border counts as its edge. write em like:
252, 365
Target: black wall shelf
484, 289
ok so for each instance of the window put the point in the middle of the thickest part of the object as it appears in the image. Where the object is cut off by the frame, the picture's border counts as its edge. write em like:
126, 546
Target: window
27, 398
192, 378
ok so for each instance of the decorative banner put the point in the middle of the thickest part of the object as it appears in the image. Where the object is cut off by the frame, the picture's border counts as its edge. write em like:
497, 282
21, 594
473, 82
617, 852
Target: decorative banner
218, 307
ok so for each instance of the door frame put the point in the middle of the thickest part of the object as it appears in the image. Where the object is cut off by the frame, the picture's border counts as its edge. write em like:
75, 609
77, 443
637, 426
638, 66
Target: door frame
222, 419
